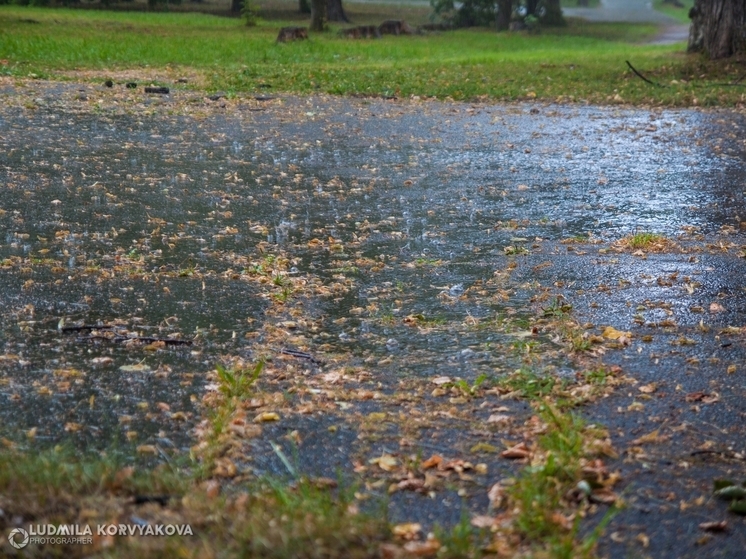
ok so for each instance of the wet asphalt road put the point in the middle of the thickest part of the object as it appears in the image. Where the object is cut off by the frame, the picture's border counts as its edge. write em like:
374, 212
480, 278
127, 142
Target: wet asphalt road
447, 182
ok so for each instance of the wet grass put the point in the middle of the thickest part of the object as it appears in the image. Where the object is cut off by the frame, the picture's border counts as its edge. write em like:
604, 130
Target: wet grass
580, 62
268, 518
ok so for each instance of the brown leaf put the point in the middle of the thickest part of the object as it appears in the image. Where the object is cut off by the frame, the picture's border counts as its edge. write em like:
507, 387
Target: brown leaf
516, 452
482, 521
603, 495
407, 530
422, 549
432, 462
496, 495
721, 526
654, 437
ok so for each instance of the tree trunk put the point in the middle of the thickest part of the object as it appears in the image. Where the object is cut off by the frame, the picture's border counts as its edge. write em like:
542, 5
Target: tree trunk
236, 6
553, 15
304, 7
318, 15
335, 12
718, 27
504, 13
531, 6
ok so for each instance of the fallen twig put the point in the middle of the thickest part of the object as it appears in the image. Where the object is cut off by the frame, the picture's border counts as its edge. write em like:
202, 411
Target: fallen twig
300, 355
143, 339
639, 75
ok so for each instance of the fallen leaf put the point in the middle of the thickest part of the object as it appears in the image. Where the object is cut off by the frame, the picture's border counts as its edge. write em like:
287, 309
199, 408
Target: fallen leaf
516, 452
422, 549
386, 462
266, 416
496, 495
716, 308
649, 388
406, 530
482, 521
432, 462
654, 437
611, 333
721, 526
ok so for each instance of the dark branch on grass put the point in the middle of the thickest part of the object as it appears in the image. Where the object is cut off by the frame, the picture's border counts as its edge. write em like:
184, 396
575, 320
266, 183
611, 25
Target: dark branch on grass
142, 339
639, 75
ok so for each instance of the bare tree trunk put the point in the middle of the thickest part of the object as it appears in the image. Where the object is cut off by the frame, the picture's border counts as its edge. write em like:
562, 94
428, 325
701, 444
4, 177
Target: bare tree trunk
531, 6
304, 7
718, 27
318, 15
504, 13
335, 12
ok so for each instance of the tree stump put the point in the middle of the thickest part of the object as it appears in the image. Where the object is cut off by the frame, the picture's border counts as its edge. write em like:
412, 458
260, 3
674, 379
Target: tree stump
395, 27
288, 34
361, 32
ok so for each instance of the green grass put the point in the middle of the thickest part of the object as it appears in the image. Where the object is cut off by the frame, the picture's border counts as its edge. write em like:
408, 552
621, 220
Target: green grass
579, 62
644, 240
540, 490
681, 14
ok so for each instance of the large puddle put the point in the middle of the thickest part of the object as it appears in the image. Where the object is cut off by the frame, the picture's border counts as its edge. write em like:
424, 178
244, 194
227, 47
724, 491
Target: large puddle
147, 222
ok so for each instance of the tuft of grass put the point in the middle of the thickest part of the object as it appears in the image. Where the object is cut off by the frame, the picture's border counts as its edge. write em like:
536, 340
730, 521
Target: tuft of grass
529, 384
545, 518
236, 383
644, 240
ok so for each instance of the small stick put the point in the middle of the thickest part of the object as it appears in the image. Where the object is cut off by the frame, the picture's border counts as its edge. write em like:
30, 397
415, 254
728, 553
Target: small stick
639, 75
300, 355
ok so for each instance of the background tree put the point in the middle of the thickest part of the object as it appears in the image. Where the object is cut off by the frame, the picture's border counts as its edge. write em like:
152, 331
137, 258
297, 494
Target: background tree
335, 12
552, 13
718, 27
504, 14
318, 15
499, 13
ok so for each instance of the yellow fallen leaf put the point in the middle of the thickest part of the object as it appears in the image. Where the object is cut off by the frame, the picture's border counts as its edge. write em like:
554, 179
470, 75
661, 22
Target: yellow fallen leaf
266, 417
386, 462
407, 530
654, 437
611, 333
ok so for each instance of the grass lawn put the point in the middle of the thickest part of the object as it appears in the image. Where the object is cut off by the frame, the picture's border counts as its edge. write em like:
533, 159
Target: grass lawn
580, 62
